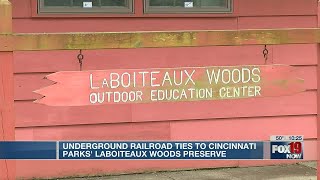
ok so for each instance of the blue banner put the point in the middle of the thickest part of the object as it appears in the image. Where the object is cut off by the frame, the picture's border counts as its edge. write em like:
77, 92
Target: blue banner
28, 150
131, 150
160, 150
142, 150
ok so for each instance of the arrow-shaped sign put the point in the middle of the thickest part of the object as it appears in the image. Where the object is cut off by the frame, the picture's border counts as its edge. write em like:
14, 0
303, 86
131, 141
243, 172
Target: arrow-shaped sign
120, 86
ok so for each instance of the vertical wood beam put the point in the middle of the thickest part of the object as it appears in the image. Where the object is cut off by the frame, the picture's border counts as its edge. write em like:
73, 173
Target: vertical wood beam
318, 101
7, 123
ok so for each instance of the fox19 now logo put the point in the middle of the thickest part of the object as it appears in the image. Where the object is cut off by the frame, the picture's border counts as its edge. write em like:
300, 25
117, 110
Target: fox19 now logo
286, 150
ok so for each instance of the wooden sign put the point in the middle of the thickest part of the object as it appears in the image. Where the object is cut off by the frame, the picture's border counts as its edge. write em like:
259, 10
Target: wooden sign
119, 86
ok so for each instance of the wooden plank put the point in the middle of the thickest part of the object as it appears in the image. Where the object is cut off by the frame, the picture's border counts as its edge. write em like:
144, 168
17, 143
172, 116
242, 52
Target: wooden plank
256, 128
7, 119
318, 15
46, 61
6, 18
21, 9
294, 54
160, 39
122, 131
318, 102
273, 22
276, 8
54, 25
127, 86
318, 115
25, 84
30, 114
299, 104
24, 134
309, 74
52, 61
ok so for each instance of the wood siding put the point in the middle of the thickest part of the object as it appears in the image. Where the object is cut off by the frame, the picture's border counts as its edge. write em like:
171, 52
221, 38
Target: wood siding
247, 119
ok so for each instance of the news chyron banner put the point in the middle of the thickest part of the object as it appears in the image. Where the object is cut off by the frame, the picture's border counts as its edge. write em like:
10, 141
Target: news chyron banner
279, 147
